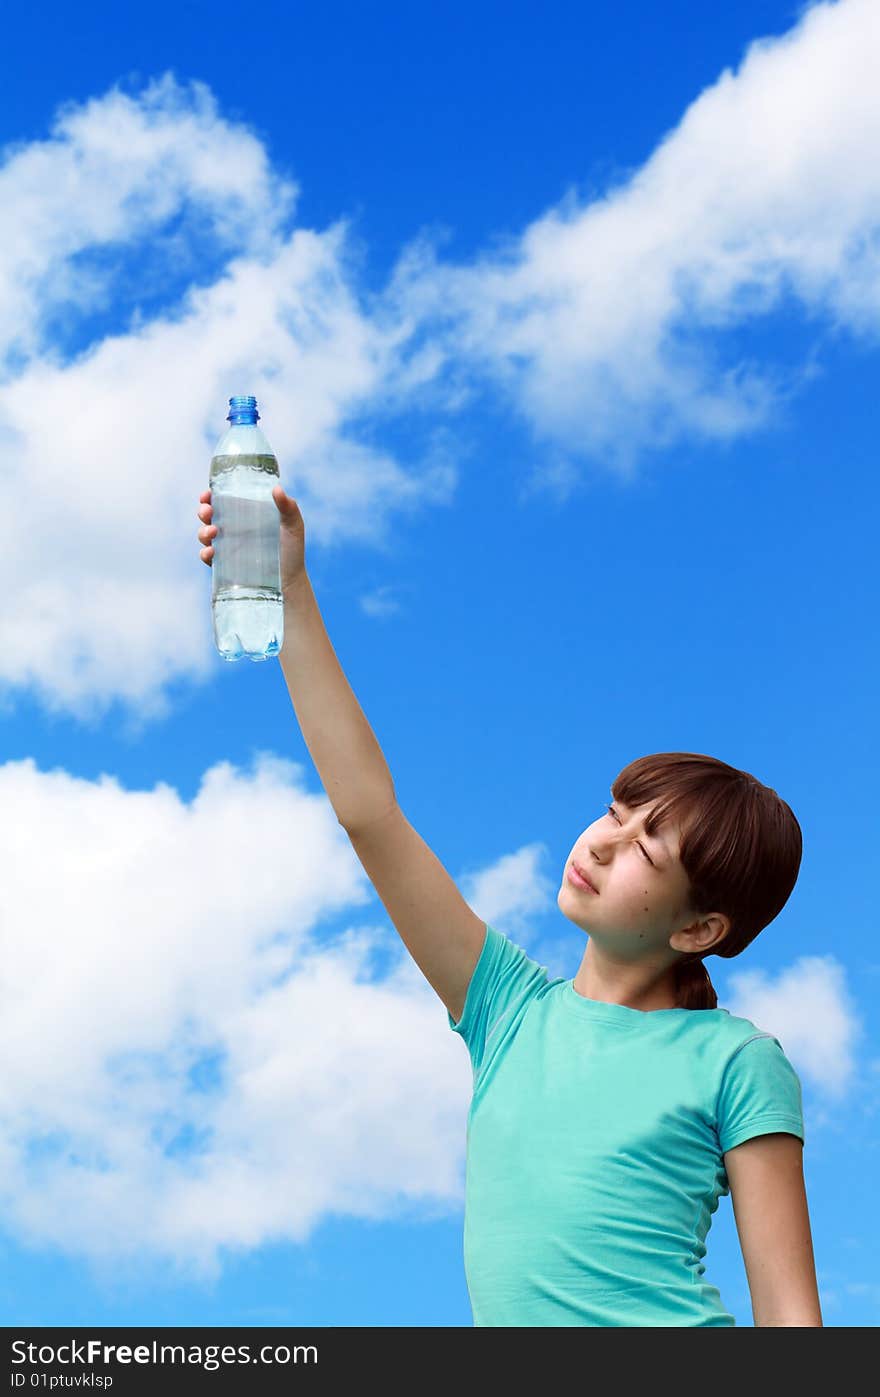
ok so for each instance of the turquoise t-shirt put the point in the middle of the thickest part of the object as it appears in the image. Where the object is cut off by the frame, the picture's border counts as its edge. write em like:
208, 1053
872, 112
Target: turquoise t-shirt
595, 1138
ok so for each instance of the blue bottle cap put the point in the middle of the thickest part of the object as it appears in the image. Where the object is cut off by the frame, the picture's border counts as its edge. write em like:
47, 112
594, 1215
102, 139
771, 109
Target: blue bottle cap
243, 411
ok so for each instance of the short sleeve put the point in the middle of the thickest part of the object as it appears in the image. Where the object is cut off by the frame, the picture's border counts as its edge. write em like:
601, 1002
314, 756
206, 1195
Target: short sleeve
504, 981
760, 1093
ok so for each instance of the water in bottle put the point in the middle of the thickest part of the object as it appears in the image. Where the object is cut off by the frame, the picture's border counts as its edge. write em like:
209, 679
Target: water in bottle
246, 601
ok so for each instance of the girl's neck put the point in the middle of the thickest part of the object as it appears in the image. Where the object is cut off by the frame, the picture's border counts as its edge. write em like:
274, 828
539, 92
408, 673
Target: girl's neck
642, 987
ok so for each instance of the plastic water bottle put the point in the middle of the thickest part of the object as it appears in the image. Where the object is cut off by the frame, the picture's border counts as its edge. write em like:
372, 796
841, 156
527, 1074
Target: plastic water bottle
246, 600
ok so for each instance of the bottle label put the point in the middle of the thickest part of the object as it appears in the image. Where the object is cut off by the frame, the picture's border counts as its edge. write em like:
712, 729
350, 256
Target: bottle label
246, 543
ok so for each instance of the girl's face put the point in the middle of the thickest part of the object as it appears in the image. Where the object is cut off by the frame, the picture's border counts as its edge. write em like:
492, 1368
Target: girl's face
642, 889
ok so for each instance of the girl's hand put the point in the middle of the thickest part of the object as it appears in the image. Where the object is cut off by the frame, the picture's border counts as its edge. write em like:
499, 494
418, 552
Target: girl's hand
292, 540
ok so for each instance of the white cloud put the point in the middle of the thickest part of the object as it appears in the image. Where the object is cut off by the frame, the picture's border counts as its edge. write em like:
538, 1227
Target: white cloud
511, 892
115, 171
161, 981
379, 603
107, 451
604, 323
810, 1010
188, 1064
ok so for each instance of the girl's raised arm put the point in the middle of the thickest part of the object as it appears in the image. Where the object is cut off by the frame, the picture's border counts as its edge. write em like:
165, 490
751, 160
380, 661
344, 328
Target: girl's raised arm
444, 936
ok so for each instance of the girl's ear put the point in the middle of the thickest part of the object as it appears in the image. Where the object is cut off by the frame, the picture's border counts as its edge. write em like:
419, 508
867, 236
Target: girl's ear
701, 937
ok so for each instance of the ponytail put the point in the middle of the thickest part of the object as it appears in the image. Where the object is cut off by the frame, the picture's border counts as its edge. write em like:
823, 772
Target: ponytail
693, 988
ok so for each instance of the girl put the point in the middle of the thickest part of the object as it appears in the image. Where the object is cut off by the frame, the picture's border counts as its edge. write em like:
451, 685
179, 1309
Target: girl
610, 1112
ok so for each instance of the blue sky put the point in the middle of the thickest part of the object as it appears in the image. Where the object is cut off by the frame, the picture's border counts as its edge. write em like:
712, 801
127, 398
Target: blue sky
564, 327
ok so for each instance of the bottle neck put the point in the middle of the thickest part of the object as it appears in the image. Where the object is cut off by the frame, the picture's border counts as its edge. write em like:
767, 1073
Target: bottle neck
243, 411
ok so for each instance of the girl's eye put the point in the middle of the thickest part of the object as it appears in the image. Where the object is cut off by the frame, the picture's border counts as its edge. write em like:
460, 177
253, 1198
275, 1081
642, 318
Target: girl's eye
644, 851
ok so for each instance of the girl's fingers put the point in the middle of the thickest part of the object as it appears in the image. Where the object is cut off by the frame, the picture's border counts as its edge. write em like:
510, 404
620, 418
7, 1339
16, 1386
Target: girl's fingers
207, 530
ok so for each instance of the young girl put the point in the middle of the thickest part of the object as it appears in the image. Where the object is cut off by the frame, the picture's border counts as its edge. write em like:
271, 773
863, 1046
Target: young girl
611, 1111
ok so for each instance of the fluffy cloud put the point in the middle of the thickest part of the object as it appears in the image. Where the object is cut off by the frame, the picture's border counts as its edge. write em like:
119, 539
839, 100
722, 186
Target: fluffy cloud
116, 172
808, 1008
604, 323
603, 326
107, 448
186, 1066
191, 1065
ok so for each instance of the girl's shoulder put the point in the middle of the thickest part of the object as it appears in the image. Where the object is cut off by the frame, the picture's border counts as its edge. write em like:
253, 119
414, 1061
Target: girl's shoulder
730, 1032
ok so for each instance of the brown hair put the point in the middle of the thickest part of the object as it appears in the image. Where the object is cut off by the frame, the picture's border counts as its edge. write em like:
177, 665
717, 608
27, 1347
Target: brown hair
741, 849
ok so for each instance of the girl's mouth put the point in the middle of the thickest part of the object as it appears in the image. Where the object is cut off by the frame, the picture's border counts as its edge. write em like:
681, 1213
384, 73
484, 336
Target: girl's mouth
578, 881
